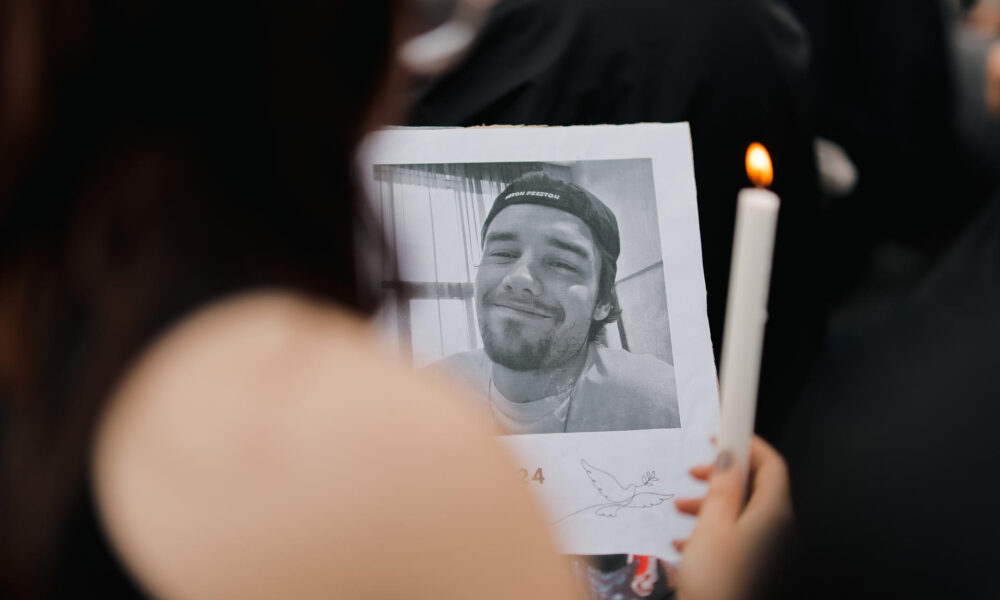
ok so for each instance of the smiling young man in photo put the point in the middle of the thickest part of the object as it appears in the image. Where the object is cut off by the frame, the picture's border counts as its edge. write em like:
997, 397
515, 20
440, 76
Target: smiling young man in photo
544, 291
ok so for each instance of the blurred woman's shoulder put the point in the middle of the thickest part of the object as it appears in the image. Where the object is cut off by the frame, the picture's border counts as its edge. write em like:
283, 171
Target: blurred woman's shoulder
259, 346
267, 445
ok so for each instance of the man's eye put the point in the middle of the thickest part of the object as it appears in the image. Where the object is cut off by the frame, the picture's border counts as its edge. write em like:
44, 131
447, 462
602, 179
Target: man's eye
502, 254
563, 266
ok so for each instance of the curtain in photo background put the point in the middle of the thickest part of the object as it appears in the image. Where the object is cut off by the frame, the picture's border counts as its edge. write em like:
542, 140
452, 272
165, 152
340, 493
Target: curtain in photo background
432, 217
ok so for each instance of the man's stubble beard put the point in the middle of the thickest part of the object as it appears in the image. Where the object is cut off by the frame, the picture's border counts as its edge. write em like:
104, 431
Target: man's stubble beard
524, 355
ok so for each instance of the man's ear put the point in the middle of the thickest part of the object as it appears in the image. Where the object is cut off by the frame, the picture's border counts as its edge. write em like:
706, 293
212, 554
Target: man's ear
601, 312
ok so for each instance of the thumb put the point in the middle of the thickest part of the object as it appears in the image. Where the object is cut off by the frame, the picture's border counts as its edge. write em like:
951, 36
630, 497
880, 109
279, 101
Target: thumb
725, 490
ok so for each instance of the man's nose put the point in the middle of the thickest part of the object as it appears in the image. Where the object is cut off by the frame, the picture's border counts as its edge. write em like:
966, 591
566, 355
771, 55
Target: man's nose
521, 279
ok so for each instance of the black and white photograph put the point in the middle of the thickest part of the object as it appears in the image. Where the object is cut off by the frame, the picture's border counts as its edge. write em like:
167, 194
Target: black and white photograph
539, 284
555, 273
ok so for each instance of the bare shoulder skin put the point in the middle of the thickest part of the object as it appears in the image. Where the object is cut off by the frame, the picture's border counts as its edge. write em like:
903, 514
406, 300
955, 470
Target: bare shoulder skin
267, 447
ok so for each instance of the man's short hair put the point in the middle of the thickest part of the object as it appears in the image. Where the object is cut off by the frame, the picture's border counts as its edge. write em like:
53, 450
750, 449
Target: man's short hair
543, 189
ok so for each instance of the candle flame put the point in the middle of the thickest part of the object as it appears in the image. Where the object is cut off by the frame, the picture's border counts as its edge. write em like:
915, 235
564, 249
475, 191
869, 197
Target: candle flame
759, 168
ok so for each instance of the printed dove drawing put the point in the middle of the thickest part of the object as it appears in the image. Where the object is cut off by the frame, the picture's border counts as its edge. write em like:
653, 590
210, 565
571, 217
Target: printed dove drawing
620, 496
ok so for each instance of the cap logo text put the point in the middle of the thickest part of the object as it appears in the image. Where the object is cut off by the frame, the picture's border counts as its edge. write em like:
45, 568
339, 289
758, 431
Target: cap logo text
533, 193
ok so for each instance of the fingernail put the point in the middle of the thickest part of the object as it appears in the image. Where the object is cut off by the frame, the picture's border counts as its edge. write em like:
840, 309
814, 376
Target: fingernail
723, 462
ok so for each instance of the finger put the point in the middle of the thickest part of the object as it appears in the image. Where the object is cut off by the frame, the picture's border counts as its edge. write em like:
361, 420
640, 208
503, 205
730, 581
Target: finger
679, 545
768, 472
689, 506
761, 452
725, 491
701, 472
769, 498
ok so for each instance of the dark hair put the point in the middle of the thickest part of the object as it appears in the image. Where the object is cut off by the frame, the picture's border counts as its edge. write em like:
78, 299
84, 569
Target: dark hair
155, 155
606, 294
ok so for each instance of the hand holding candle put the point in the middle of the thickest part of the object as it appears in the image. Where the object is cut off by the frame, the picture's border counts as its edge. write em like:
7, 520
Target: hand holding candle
746, 306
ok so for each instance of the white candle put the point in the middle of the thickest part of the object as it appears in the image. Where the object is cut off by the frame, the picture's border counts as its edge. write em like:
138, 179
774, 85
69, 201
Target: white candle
746, 314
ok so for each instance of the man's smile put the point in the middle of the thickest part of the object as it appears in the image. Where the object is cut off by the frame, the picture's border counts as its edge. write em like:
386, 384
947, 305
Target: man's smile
523, 308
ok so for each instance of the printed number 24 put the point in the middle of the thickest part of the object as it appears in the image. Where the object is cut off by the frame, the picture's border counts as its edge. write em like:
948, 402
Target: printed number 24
536, 477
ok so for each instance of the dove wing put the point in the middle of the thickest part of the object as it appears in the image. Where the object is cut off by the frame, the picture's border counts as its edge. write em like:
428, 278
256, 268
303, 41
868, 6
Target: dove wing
605, 483
647, 499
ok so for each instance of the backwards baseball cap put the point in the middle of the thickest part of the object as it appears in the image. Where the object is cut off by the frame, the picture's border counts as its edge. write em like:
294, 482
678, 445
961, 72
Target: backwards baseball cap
545, 190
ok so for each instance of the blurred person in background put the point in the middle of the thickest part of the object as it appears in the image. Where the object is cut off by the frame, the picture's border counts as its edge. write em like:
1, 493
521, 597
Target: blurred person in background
889, 446
976, 42
893, 454
188, 379
882, 87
